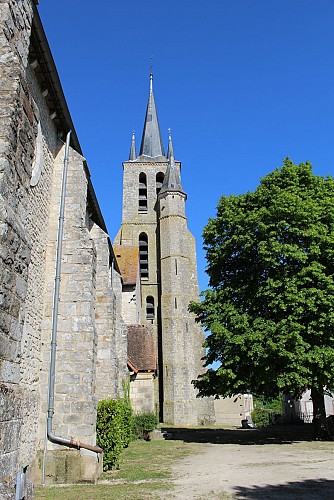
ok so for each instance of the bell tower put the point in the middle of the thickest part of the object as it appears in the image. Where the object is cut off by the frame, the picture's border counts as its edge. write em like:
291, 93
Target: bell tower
154, 221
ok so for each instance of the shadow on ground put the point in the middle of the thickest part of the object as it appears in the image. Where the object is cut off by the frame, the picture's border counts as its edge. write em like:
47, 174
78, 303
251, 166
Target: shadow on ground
276, 434
310, 489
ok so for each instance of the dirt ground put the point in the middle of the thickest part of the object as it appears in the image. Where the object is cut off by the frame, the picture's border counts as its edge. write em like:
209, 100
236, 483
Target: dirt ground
276, 463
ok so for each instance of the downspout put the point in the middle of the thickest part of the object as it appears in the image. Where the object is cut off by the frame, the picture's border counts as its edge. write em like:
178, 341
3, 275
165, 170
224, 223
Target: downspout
50, 435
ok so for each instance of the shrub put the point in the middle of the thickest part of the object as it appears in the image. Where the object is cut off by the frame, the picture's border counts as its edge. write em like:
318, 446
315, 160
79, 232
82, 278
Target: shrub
261, 417
114, 429
273, 404
144, 423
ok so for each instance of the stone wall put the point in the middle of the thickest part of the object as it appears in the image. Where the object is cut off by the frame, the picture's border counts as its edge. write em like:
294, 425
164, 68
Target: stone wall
21, 245
231, 411
142, 392
111, 336
76, 355
31, 163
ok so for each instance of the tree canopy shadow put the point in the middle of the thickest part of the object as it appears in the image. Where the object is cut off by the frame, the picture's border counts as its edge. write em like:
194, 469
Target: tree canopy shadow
277, 434
310, 489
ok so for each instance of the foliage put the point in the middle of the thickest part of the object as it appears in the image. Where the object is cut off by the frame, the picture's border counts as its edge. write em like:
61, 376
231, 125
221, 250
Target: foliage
275, 405
261, 417
270, 309
114, 429
144, 423
127, 415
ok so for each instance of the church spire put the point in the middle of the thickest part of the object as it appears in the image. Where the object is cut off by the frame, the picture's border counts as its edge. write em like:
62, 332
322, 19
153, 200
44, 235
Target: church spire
151, 143
172, 180
133, 155
170, 151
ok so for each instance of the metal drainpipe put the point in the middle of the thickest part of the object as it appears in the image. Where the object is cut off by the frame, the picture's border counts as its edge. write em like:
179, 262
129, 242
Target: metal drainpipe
50, 435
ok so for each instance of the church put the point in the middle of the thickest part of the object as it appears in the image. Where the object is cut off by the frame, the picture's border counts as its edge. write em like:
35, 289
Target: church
80, 314
154, 237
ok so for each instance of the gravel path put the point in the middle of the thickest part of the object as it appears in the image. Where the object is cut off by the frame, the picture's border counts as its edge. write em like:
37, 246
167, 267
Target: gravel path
280, 464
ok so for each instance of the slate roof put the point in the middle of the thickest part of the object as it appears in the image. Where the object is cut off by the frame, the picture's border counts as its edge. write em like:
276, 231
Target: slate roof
172, 180
128, 262
151, 143
142, 353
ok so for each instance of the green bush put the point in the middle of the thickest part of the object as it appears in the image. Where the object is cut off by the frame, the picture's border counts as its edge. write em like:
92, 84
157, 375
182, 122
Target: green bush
261, 417
274, 404
144, 423
114, 429
266, 409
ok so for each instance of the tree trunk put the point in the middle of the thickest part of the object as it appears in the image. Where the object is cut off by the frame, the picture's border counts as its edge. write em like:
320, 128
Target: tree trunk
320, 425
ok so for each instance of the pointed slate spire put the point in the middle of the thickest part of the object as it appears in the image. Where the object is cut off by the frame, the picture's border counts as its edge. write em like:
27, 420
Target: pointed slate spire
133, 155
170, 151
151, 143
172, 180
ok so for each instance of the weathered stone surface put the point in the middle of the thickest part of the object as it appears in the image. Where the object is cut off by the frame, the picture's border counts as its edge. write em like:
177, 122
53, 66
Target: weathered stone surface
29, 212
171, 281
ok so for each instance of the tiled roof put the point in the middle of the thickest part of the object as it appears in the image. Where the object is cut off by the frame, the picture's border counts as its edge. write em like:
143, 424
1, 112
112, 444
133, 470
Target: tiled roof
141, 348
128, 262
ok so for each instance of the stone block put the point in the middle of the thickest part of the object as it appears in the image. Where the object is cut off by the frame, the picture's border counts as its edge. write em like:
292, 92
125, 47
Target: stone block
68, 467
10, 372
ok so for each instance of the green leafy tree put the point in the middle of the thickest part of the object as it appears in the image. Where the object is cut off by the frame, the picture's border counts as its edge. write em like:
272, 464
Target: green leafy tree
270, 309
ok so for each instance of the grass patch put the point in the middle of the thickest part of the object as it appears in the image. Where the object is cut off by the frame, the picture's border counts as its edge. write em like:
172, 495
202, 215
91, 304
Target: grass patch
143, 474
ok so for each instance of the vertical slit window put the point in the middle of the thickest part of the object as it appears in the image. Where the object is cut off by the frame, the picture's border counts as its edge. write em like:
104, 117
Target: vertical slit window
143, 255
158, 182
175, 302
176, 266
150, 307
142, 200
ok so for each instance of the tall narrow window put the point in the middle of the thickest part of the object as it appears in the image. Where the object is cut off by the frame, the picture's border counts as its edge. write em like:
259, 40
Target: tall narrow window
158, 182
150, 307
176, 266
175, 303
142, 193
143, 255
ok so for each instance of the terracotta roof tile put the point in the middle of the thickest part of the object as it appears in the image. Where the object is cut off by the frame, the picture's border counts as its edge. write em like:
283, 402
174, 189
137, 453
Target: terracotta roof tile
128, 262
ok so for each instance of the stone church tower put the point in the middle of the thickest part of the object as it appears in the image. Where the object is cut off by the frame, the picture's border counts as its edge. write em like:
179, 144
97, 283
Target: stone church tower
154, 221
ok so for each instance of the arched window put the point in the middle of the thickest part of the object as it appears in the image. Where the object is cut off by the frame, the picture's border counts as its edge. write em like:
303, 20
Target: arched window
158, 182
150, 307
142, 205
143, 255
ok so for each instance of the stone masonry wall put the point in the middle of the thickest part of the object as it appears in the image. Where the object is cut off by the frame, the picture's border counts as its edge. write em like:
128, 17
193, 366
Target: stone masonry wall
31, 163
75, 399
142, 391
108, 322
23, 216
36, 225
121, 333
181, 336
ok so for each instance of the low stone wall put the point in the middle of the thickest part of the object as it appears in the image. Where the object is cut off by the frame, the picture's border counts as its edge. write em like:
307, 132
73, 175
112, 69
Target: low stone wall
142, 392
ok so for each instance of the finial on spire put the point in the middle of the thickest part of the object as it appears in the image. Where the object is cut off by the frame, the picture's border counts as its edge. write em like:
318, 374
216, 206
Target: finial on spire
151, 74
133, 155
170, 151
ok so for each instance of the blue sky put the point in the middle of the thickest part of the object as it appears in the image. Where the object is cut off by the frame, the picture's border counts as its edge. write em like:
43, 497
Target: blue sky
241, 83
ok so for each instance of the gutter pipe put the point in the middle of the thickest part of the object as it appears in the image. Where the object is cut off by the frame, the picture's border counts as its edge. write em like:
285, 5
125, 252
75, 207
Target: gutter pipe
50, 435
